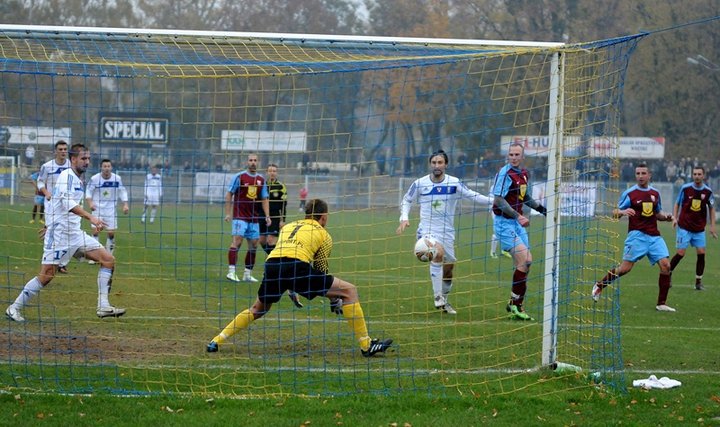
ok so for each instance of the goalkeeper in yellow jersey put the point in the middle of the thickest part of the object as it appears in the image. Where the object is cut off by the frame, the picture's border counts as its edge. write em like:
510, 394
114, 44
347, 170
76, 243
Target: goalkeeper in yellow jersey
299, 263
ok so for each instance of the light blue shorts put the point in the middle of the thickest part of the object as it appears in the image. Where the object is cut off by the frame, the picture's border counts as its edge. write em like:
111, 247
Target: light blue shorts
247, 230
510, 233
639, 244
684, 238
39, 200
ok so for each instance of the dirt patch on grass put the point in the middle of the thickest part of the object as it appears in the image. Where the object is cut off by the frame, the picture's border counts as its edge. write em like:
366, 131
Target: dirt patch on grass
87, 347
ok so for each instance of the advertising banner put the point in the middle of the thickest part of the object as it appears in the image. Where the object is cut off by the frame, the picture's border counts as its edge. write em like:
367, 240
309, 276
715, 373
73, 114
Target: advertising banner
627, 147
539, 146
38, 135
576, 198
134, 128
257, 140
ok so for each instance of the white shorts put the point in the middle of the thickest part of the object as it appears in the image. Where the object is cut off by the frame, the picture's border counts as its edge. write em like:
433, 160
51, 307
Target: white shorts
109, 216
152, 198
445, 239
61, 246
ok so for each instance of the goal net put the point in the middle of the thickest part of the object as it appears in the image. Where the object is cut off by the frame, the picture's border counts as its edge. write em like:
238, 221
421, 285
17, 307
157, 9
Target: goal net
353, 121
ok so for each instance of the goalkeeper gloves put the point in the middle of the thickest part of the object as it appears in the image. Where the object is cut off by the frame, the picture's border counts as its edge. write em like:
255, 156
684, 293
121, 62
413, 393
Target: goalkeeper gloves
295, 298
336, 306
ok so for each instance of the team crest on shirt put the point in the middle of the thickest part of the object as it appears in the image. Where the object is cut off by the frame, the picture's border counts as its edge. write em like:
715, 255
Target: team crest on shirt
695, 205
252, 192
523, 190
647, 209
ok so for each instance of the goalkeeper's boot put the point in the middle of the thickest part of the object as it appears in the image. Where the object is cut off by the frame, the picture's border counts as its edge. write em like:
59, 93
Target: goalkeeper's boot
506, 254
110, 311
295, 298
596, 292
517, 312
232, 276
14, 314
212, 347
377, 346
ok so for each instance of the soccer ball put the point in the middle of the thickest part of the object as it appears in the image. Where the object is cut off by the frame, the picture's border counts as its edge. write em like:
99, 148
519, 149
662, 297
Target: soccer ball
426, 248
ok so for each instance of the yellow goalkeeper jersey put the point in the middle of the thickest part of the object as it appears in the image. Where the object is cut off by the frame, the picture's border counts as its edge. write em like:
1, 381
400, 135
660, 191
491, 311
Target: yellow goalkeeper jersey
305, 240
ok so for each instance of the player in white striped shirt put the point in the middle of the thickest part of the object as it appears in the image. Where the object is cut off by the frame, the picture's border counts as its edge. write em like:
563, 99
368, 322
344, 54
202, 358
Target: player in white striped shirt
437, 194
102, 194
64, 237
153, 193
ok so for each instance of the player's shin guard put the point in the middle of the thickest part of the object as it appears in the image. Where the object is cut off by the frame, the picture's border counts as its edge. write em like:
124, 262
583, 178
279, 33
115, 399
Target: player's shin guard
446, 288
232, 258
664, 285
699, 267
103, 280
31, 289
675, 261
436, 278
519, 287
250, 258
240, 322
355, 317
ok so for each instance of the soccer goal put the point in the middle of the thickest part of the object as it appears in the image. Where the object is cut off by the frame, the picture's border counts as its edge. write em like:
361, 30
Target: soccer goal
352, 120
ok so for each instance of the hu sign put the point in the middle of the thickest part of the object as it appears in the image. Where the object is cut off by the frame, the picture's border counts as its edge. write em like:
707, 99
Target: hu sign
133, 128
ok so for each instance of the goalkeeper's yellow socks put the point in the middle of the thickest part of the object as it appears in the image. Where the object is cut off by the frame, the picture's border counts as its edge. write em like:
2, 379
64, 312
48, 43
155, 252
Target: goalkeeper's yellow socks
241, 321
355, 317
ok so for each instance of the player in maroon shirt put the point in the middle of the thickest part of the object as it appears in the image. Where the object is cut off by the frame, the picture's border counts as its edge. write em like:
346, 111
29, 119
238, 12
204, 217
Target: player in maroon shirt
510, 192
691, 210
641, 204
246, 203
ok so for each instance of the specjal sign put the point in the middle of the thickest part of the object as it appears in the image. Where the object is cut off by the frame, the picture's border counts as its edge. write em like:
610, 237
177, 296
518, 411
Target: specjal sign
134, 128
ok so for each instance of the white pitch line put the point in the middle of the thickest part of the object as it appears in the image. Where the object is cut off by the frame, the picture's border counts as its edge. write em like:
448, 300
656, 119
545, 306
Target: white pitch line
500, 319
385, 369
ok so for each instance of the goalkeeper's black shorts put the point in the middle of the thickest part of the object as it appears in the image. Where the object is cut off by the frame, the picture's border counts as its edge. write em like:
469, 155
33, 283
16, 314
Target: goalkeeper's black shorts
290, 274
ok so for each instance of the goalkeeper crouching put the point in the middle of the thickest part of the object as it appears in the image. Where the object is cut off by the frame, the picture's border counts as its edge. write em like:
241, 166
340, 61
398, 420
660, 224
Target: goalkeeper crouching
299, 263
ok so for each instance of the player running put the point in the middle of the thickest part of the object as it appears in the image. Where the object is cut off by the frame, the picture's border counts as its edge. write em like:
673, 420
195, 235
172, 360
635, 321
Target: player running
690, 213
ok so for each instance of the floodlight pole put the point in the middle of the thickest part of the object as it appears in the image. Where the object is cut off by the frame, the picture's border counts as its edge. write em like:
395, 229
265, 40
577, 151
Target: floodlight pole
552, 220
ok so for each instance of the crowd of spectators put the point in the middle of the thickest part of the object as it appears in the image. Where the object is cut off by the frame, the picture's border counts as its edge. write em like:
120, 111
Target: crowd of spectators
673, 171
